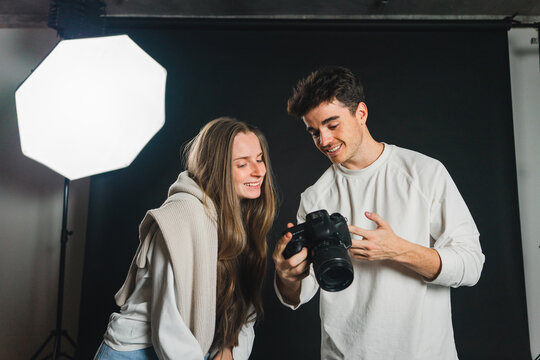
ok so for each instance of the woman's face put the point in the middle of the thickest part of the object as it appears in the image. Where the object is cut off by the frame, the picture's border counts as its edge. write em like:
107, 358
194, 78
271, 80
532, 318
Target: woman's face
248, 166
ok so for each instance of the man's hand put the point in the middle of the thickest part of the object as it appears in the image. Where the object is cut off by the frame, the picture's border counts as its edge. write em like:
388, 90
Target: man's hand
225, 354
378, 244
383, 244
291, 271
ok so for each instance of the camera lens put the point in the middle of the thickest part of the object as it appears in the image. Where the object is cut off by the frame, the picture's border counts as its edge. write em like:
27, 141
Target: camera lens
336, 277
333, 267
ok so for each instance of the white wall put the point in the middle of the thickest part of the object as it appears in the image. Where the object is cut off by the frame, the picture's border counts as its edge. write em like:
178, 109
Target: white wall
525, 76
30, 218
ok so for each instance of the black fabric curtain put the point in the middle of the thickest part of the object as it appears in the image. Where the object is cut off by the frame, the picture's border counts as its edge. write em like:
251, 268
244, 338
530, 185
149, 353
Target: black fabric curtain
442, 92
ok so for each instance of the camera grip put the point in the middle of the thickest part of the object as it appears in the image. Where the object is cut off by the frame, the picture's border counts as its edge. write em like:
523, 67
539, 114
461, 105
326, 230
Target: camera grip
292, 248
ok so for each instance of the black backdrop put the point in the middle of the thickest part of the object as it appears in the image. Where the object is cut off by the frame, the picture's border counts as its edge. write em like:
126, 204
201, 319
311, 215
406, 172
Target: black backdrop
445, 93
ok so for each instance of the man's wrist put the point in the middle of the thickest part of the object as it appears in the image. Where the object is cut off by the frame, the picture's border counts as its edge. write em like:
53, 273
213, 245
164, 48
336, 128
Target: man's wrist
404, 251
289, 289
422, 260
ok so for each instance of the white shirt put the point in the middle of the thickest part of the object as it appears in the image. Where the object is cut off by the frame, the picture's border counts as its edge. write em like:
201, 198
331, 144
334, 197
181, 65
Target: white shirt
150, 316
390, 312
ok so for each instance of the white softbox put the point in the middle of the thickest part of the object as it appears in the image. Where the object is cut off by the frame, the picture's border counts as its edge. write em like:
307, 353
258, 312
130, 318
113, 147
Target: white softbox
91, 106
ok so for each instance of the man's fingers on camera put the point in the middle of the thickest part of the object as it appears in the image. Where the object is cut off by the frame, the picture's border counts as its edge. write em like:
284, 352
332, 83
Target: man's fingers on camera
301, 270
284, 240
296, 272
298, 259
303, 274
289, 265
282, 243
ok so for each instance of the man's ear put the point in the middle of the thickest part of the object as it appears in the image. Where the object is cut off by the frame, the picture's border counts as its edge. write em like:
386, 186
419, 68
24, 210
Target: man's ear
361, 112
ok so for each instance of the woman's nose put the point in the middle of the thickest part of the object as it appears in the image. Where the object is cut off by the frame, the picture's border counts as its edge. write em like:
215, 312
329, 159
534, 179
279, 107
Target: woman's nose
258, 169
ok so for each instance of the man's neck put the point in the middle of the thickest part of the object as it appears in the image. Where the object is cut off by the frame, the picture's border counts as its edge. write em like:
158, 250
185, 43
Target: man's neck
367, 155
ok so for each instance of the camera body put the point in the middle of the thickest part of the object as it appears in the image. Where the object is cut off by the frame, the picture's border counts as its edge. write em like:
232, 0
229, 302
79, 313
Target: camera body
327, 239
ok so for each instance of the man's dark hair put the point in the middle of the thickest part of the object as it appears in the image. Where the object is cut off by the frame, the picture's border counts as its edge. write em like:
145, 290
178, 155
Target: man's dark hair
324, 85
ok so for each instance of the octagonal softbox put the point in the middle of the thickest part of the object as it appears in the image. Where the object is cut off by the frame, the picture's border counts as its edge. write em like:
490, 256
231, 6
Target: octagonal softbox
91, 106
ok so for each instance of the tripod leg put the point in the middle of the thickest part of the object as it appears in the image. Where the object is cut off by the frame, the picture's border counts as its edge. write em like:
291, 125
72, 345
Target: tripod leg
72, 342
43, 346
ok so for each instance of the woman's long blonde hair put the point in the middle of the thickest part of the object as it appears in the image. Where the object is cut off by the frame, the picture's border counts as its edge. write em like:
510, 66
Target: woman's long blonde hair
242, 225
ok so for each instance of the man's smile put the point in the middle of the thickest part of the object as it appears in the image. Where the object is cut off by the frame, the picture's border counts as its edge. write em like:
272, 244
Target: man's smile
333, 150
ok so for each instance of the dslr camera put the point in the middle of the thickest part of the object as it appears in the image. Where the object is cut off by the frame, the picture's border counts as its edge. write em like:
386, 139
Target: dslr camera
327, 239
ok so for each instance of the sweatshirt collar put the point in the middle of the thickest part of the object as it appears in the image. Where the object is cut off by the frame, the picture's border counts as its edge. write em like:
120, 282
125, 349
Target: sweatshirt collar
369, 169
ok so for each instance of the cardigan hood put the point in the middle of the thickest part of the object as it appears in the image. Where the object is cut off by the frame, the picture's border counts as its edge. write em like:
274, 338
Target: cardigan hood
186, 185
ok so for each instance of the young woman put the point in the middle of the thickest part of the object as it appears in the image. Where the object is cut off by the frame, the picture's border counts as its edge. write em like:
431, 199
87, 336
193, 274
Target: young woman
193, 290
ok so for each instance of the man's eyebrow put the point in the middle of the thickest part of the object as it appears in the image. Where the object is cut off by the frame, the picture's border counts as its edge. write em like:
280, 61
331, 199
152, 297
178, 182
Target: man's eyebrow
324, 122
245, 157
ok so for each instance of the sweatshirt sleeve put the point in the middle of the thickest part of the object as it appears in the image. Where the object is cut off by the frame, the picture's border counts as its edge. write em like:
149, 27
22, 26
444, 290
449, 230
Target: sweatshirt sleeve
171, 338
455, 235
308, 290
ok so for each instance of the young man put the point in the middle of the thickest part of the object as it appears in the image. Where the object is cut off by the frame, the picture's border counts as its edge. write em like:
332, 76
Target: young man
413, 235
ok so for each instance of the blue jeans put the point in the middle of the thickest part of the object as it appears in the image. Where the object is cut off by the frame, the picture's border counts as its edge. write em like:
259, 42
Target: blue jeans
107, 353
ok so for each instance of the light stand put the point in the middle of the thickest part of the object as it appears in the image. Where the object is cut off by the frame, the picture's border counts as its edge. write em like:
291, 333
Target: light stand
56, 335
104, 115
71, 19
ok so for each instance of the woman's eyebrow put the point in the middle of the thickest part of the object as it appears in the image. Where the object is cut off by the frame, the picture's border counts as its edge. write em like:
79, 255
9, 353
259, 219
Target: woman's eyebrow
245, 157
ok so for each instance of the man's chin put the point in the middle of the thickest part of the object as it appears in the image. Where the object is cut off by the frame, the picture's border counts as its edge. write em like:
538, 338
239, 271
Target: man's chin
334, 159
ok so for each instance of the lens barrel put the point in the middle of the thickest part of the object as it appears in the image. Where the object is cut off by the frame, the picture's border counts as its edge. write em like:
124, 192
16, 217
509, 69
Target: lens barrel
332, 266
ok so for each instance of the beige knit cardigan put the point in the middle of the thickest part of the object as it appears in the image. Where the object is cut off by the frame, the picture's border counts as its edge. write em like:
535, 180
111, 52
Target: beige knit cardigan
189, 230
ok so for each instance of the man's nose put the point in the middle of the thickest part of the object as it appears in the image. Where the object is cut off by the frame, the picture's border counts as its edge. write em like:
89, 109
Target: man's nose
325, 138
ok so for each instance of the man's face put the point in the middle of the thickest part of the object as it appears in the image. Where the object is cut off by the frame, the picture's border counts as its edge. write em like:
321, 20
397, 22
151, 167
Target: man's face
337, 132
